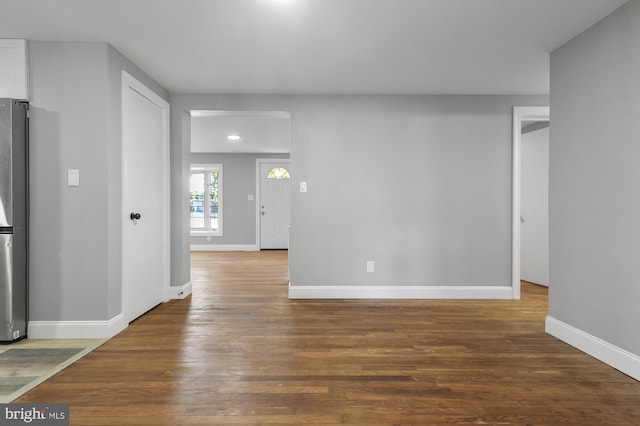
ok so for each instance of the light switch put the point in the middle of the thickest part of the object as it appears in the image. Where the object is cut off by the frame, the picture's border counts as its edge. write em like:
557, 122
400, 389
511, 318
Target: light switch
303, 186
250, 197
73, 177
371, 266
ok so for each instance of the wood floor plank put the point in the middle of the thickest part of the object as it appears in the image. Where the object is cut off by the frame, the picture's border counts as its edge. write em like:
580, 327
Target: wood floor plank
239, 352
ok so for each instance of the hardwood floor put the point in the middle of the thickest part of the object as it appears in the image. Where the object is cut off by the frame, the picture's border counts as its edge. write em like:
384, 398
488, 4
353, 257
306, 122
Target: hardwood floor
239, 352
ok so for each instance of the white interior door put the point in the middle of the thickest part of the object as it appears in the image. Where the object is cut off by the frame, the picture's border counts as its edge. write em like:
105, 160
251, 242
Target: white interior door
145, 198
275, 196
535, 207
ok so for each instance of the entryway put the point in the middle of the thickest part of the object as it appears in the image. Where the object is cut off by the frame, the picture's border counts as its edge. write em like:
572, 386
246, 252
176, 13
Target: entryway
254, 202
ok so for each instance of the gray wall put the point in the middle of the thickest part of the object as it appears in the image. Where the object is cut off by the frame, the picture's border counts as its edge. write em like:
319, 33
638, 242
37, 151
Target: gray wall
75, 232
595, 179
419, 184
239, 180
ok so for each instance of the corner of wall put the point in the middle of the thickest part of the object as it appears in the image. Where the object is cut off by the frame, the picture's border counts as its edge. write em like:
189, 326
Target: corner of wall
179, 292
612, 355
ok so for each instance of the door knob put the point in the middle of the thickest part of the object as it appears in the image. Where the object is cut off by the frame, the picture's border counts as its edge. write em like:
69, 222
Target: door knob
134, 216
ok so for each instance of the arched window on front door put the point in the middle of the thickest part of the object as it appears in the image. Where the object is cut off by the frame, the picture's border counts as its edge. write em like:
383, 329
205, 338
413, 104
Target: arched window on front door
279, 173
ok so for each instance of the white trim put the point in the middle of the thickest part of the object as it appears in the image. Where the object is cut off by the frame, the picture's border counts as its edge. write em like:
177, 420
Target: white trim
197, 233
520, 114
224, 247
259, 162
179, 292
76, 329
128, 81
612, 355
399, 292
217, 113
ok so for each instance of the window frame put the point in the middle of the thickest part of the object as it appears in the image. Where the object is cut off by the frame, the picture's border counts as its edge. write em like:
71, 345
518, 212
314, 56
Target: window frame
208, 169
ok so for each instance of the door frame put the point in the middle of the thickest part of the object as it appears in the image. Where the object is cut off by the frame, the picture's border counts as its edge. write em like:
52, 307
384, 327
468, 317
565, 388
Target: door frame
520, 114
259, 162
131, 83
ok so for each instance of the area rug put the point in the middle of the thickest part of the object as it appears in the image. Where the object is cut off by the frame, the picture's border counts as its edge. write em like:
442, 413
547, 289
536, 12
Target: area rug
26, 364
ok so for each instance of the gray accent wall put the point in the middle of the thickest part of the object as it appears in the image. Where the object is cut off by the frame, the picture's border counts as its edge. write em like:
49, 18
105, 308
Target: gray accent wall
239, 213
75, 241
419, 184
595, 180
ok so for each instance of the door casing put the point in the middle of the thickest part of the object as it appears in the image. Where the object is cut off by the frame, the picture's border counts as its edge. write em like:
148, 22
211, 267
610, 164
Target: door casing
520, 114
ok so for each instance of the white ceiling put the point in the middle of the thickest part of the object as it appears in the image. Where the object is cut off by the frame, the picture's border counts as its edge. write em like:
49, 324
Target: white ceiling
321, 46
259, 131
315, 46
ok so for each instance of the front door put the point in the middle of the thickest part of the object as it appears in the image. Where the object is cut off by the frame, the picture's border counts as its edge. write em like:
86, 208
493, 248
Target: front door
274, 205
145, 198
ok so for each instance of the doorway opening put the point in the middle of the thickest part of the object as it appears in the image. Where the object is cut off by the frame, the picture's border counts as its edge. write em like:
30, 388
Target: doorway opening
237, 142
521, 115
534, 205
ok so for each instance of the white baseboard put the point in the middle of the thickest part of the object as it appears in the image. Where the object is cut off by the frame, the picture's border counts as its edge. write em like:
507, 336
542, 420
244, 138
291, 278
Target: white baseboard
224, 247
179, 292
399, 292
91, 329
612, 355
76, 329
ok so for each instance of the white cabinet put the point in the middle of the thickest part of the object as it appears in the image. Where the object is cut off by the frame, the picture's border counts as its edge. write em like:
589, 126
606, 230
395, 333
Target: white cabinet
14, 82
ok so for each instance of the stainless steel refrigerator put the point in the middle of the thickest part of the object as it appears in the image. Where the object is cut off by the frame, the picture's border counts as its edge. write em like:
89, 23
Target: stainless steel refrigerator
14, 199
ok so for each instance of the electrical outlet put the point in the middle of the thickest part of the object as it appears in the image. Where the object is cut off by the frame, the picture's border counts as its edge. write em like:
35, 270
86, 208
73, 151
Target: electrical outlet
371, 266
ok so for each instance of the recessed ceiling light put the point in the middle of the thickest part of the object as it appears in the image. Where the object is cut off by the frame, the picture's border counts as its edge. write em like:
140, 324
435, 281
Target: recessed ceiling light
233, 137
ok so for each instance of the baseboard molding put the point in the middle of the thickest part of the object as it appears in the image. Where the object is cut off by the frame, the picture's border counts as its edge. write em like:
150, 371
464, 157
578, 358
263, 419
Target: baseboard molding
76, 329
400, 292
612, 355
224, 247
180, 292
